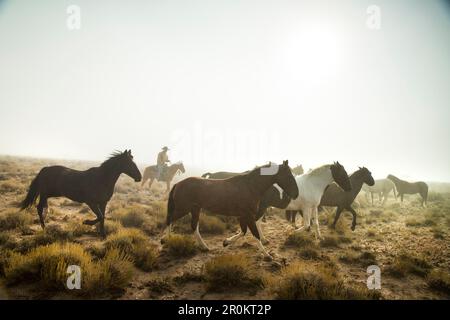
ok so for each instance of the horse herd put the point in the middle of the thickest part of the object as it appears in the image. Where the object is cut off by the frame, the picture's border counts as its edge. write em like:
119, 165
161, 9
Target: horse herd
245, 195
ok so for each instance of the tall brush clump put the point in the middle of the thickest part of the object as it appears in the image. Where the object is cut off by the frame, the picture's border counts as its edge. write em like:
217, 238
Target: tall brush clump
47, 267
134, 243
231, 271
299, 281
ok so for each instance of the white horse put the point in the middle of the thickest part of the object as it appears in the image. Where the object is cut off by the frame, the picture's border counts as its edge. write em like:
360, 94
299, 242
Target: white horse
382, 187
311, 187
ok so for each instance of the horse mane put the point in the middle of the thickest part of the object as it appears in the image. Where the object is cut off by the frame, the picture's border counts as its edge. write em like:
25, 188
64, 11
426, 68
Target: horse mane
319, 170
250, 173
112, 158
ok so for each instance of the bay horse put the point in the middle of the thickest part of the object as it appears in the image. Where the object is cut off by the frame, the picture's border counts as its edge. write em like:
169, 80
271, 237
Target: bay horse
236, 196
404, 187
152, 171
382, 187
334, 196
311, 187
93, 187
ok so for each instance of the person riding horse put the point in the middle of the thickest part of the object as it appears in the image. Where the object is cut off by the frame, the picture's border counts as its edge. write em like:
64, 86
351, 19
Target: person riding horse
161, 162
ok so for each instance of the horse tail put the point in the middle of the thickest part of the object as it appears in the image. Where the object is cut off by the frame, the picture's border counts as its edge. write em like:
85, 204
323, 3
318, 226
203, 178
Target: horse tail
170, 206
206, 175
33, 193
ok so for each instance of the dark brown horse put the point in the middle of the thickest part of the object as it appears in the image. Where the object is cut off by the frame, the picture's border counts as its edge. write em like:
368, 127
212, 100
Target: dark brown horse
334, 196
94, 186
237, 196
404, 187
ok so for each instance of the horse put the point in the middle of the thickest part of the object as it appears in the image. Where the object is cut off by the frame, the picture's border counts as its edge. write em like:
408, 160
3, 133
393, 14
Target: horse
298, 170
93, 187
222, 174
405, 187
311, 187
334, 196
236, 196
151, 172
382, 187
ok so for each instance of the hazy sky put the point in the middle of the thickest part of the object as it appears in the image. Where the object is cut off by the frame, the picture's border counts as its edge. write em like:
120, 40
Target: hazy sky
230, 84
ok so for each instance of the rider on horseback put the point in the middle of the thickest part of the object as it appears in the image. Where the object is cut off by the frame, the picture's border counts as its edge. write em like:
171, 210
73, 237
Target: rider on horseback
161, 162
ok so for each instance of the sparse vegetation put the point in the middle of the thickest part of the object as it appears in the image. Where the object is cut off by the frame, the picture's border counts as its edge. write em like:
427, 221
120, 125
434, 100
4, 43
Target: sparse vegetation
231, 272
178, 245
47, 265
407, 263
12, 219
439, 280
300, 281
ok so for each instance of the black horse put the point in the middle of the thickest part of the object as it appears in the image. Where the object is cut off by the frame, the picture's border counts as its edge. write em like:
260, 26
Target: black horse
404, 187
334, 196
94, 186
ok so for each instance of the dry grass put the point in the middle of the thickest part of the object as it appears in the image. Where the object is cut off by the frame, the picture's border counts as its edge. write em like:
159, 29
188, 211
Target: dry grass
177, 245
135, 244
300, 281
230, 272
407, 263
12, 219
439, 280
47, 267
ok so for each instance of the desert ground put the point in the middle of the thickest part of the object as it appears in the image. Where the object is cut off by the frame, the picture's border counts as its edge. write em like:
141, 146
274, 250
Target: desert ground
410, 244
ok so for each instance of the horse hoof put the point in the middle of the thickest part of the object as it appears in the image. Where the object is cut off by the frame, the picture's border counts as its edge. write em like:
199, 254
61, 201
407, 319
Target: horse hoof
204, 249
265, 241
268, 258
353, 228
225, 243
163, 240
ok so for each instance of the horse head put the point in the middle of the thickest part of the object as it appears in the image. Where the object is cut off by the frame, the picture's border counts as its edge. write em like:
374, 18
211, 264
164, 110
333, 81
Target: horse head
340, 176
367, 176
128, 166
285, 179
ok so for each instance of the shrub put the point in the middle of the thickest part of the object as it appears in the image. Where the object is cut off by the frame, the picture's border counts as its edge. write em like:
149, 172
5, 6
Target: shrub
131, 217
406, 263
363, 259
439, 280
211, 225
309, 253
329, 242
180, 245
10, 186
231, 271
47, 266
12, 219
299, 240
299, 281
135, 244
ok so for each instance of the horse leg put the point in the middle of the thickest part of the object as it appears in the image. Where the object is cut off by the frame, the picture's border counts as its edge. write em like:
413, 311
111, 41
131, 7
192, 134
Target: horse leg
258, 226
385, 197
336, 217
315, 213
349, 208
150, 183
240, 234
254, 230
42, 210
306, 220
95, 210
371, 196
195, 213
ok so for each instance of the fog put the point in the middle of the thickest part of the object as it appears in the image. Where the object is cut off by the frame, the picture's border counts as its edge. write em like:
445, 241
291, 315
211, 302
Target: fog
227, 85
